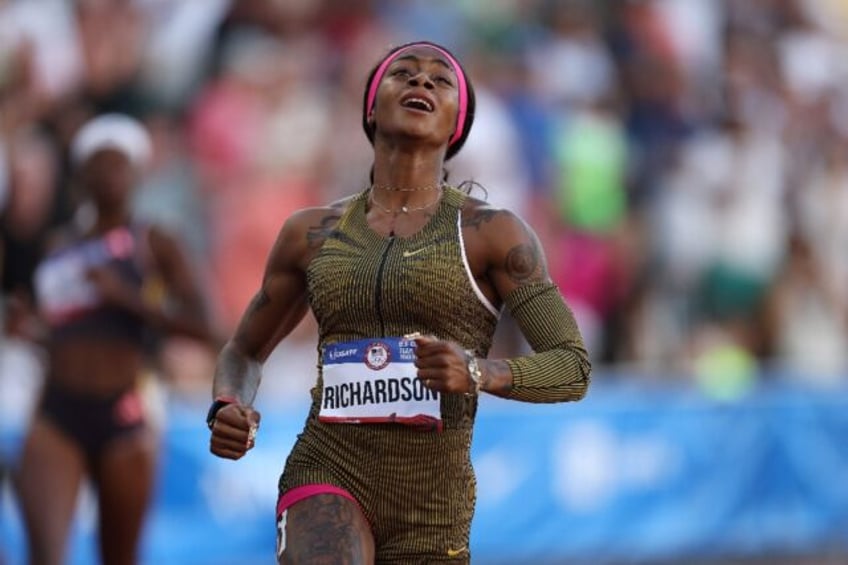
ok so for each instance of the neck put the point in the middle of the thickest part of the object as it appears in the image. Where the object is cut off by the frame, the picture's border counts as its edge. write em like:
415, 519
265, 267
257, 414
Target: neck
108, 220
404, 170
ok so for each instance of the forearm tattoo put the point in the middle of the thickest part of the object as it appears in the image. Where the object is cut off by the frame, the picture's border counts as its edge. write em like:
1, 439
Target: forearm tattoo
260, 300
497, 379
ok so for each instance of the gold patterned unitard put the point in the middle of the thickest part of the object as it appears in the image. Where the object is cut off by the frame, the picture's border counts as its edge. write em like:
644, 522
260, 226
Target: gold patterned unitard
416, 488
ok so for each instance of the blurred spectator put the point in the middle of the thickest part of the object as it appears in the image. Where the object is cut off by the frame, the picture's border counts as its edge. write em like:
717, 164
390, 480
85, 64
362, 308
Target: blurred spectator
505, 180
111, 37
174, 54
591, 202
821, 210
808, 318
30, 212
572, 65
169, 193
45, 30
257, 135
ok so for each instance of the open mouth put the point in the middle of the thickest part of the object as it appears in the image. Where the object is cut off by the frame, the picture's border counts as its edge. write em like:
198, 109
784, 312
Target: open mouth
416, 103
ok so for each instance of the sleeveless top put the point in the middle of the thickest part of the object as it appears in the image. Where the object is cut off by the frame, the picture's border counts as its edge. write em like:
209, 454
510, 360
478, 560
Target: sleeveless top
70, 303
364, 285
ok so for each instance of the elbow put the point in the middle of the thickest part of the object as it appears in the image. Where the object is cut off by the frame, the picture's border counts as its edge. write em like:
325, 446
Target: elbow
572, 390
586, 377
575, 383
582, 388
551, 377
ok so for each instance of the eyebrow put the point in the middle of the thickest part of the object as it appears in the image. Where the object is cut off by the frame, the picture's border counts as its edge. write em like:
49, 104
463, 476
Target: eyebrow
411, 57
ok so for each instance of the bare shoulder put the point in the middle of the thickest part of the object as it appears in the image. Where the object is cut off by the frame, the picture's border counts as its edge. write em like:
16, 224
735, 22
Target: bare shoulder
304, 232
499, 241
312, 225
497, 226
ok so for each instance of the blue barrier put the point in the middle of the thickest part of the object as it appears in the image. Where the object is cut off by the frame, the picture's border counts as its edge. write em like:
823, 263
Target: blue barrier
634, 471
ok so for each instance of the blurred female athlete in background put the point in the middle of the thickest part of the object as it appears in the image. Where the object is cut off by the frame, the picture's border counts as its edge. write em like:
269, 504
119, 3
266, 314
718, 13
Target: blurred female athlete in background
105, 290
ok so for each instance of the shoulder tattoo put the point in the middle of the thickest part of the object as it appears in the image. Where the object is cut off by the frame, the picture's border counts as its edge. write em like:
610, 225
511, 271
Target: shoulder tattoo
315, 235
479, 217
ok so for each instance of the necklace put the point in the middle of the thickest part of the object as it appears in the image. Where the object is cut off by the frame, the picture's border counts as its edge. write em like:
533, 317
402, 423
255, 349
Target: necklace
413, 189
403, 209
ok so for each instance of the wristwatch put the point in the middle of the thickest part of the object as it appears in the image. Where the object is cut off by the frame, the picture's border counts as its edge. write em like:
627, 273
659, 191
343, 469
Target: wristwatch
217, 404
474, 372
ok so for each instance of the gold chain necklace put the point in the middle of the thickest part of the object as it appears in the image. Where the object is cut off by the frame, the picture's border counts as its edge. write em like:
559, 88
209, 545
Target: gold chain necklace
414, 189
403, 209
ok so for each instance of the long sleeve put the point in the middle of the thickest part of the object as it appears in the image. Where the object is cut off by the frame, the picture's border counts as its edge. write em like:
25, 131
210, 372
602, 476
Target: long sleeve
559, 369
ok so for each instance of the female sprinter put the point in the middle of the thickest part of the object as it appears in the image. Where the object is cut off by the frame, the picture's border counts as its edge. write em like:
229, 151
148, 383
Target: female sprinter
406, 280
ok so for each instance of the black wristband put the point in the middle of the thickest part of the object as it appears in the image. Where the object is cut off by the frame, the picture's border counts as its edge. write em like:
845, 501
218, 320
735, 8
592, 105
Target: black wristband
213, 410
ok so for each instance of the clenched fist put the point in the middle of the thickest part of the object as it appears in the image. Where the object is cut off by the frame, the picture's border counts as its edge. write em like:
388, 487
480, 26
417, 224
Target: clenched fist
234, 431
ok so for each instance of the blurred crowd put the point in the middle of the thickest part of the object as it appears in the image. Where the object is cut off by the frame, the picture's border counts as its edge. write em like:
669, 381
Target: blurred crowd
684, 162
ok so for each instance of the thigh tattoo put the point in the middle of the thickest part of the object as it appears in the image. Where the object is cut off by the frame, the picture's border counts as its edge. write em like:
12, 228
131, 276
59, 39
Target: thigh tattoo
321, 529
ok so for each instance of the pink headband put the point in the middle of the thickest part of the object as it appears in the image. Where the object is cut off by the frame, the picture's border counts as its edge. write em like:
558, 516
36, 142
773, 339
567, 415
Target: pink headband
460, 79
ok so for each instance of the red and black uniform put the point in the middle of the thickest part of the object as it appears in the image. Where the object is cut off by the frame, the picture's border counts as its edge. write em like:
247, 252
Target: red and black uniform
70, 304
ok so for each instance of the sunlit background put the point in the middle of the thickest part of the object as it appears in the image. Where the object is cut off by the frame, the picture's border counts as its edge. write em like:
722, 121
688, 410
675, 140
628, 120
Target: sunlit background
684, 163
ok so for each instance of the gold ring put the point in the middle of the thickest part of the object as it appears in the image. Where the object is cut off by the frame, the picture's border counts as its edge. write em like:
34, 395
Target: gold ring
427, 383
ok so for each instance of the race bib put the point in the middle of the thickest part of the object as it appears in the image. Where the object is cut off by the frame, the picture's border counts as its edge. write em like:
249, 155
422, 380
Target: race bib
375, 381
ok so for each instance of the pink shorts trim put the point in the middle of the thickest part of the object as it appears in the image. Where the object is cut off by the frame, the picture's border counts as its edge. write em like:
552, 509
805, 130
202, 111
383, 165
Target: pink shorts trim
295, 495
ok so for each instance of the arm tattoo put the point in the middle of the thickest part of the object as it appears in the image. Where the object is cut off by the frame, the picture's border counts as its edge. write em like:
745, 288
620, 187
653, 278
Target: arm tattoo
316, 235
498, 377
259, 301
479, 217
522, 262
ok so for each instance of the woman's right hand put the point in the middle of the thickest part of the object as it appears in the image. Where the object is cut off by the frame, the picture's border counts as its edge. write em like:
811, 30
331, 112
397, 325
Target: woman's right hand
112, 289
234, 431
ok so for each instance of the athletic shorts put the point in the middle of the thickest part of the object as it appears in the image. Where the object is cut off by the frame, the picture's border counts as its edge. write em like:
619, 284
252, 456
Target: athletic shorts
92, 422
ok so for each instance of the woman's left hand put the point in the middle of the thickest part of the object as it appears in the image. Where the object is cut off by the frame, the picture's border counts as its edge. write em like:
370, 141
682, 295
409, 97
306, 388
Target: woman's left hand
112, 289
442, 365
